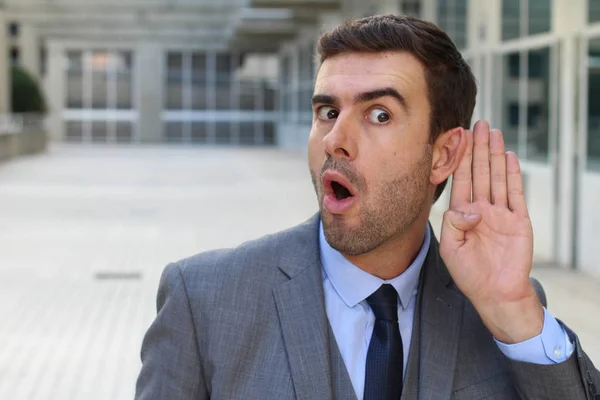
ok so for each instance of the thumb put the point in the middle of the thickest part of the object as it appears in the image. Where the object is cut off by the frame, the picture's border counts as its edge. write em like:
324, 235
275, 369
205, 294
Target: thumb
456, 223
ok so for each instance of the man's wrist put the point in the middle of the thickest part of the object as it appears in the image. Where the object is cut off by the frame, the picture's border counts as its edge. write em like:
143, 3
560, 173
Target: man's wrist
513, 322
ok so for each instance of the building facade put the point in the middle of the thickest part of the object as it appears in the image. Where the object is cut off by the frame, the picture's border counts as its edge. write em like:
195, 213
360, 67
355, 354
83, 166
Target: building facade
241, 72
146, 71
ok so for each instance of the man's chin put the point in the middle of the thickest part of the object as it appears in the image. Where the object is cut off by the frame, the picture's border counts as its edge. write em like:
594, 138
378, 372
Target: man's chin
338, 228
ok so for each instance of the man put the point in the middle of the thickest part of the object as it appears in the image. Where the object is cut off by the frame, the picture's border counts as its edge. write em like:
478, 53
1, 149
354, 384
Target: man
361, 302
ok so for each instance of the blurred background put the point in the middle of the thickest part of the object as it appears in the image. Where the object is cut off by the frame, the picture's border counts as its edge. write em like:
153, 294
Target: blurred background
134, 133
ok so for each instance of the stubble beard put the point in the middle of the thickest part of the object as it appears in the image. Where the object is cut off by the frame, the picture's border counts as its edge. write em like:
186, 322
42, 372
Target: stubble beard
387, 210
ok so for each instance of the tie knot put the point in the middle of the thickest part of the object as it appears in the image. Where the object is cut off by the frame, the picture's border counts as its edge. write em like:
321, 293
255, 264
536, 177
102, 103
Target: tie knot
384, 303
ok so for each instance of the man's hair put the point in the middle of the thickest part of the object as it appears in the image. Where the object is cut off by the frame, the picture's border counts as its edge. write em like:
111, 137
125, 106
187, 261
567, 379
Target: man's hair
451, 86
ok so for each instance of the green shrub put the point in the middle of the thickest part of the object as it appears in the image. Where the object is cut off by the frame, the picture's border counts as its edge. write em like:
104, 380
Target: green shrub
27, 96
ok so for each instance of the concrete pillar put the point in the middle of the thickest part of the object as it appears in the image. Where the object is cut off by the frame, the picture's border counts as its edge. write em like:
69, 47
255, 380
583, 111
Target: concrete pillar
149, 78
5, 91
568, 17
488, 32
29, 44
54, 85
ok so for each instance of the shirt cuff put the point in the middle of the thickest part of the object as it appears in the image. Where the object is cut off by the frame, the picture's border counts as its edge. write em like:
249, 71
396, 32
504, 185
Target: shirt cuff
549, 347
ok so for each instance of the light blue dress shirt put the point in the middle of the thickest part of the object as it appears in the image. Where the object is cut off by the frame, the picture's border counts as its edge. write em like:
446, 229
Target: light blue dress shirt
346, 288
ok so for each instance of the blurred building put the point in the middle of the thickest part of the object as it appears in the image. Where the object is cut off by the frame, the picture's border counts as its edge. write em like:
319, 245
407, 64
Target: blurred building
241, 72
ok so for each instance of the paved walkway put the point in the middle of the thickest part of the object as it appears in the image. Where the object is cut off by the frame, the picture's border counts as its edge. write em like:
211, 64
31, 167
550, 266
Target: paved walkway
86, 231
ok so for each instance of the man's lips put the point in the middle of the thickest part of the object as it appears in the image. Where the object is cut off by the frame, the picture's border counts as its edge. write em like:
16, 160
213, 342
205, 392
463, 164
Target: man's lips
333, 176
331, 202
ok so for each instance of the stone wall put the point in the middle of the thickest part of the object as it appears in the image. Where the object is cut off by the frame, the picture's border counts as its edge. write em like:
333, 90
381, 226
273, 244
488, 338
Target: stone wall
26, 137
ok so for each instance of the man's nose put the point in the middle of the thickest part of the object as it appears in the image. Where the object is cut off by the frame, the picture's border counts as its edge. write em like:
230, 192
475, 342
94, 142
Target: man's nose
341, 141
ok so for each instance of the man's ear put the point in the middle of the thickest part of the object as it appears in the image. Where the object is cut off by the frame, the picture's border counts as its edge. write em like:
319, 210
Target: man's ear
448, 150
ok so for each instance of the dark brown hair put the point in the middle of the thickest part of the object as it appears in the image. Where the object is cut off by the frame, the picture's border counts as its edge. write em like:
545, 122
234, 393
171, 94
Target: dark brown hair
451, 85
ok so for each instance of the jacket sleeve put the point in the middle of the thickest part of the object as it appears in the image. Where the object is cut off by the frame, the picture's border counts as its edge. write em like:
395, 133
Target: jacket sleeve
171, 367
575, 378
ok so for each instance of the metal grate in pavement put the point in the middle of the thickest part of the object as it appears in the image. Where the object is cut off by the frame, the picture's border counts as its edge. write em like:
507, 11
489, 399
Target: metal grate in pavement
118, 276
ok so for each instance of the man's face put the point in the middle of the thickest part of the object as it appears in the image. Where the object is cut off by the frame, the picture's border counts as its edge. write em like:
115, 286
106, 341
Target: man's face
369, 153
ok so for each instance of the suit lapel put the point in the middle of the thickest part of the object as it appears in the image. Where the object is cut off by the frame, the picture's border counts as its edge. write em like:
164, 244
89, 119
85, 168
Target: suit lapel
440, 320
301, 309
410, 389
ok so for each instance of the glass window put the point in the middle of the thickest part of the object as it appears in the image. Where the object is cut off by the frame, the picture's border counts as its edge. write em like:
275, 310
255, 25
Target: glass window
246, 133
173, 131
13, 29
285, 74
525, 17
452, 18
306, 64
174, 95
247, 90
99, 131
270, 96
199, 80
123, 75
538, 104
525, 103
514, 65
508, 111
593, 10
269, 133
223, 98
74, 80
223, 87
43, 61
593, 123
306, 84
511, 19
15, 56
199, 132
305, 102
223, 67
124, 131
513, 115
223, 133
98, 62
539, 16
199, 66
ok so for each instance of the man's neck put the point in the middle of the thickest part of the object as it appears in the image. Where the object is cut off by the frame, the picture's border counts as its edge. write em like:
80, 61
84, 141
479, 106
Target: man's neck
393, 257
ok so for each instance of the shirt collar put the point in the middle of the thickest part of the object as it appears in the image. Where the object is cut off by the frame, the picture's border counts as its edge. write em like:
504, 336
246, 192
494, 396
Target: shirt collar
354, 285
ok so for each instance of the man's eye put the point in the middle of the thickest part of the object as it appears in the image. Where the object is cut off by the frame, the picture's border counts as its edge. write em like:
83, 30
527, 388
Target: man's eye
327, 113
379, 116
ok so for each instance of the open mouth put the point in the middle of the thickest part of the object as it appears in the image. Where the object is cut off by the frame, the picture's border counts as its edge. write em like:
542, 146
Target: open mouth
340, 191
339, 195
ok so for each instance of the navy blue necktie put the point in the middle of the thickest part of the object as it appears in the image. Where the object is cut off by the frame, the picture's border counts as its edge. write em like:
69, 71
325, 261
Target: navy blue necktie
383, 377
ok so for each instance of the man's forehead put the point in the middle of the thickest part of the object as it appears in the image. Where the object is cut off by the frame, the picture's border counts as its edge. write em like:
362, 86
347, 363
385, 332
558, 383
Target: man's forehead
399, 64
352, 73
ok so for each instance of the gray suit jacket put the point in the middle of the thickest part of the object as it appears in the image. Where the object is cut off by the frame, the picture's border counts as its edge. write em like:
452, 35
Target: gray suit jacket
249, 323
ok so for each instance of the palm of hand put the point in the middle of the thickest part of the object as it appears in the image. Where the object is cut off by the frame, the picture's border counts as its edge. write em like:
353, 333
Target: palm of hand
496, 254
490, 255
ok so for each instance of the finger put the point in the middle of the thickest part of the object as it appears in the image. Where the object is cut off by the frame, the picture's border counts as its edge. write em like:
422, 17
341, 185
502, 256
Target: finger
516, 194
460, 192
481, 161
455, 224
498, 168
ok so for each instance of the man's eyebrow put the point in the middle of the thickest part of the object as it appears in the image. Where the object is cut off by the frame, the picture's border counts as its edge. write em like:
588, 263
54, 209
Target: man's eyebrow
377, 93
323, 99
364, 97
